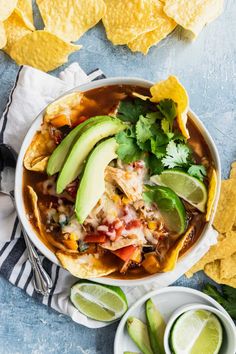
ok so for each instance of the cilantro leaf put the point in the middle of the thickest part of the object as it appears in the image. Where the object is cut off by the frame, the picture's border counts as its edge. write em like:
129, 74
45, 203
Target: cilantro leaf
227, 298
128, 150
168, 109
159, 143
130, 109
229, 292
154, 164
197, 171
177, 155
144, 129
160, 196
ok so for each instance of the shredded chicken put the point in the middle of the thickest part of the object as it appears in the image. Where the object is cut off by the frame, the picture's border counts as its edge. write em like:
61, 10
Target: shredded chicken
128, 182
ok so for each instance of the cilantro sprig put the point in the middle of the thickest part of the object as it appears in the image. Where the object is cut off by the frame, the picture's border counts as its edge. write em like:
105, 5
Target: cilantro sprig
227, 298
151, 136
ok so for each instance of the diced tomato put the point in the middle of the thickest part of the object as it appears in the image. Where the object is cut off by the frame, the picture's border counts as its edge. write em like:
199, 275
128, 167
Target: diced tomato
125, 253
96, 238
133, 224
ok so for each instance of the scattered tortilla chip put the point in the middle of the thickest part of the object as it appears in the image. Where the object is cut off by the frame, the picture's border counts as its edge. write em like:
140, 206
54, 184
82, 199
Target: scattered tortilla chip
213, 271
6, 8
228, 267
212, 189
24, 9
63, 105
164, 27
172, 88
69, 20
174, 253
233, 170
87, 265
3, 38
124, 21
38, 152
193, 15
226, 210
15, 29
225, 246
42, 50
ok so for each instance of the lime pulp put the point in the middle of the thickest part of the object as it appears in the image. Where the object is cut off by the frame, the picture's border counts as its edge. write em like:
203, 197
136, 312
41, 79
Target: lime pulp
99, 302
185, 186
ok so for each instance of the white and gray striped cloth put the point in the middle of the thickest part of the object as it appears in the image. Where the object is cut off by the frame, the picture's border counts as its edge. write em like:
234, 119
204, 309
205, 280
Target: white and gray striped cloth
32, 91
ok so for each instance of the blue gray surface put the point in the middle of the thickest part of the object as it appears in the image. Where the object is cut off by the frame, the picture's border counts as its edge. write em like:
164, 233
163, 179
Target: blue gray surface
207, 69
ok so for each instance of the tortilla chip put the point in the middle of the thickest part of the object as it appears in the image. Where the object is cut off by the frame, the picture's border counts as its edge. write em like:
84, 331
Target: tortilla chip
172, 88
225, 246
34, 200
125, 21
233, 170
64, 104
69, 20
174, 253
38, 152
87, 265
228, 267
193, 15
42, 50
6, 8
24, 9
3, 38
212, 189
226, 210
213, 271
15, 29
164, 27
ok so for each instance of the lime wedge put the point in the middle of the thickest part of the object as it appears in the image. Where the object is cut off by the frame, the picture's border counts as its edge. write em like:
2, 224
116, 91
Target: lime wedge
187, 187
99, 302
170, 206
196, 331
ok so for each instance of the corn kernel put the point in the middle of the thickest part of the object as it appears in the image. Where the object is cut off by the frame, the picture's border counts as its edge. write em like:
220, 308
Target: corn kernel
116, 198
125, 200
73, 236
152, 225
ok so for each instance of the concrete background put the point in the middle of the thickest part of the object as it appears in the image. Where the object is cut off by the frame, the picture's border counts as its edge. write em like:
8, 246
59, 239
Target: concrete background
207, 70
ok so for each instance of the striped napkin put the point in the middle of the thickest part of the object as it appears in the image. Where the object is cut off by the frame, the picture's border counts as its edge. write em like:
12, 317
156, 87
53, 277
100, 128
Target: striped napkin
32, 91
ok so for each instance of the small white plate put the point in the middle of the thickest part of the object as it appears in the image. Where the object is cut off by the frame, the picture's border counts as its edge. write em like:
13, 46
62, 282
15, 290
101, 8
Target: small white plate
167, 301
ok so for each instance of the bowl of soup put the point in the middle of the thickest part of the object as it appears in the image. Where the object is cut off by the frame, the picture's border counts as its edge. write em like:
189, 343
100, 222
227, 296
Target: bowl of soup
118, 180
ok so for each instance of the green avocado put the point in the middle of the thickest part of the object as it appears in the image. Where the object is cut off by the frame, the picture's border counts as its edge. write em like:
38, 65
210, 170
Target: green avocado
156, 327
58, 156
139, 333
92, 184
80, 150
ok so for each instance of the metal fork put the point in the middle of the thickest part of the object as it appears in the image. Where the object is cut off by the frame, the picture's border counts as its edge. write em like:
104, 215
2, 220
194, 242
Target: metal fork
42, 281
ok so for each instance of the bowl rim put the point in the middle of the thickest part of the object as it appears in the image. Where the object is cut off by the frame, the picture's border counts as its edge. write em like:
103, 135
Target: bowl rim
196, 306
20, 207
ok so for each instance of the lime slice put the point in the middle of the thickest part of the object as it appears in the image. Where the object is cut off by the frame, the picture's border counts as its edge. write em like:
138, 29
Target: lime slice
170, 206
187, 187
196, 331
99, 302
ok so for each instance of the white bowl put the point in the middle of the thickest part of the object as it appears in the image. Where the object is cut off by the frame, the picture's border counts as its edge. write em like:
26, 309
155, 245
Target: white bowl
229, 330
19, 184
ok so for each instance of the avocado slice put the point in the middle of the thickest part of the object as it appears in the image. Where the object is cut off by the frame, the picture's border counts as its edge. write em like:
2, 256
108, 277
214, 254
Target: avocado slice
92, 184
85, 143
139, 333
156, 327
58, 156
